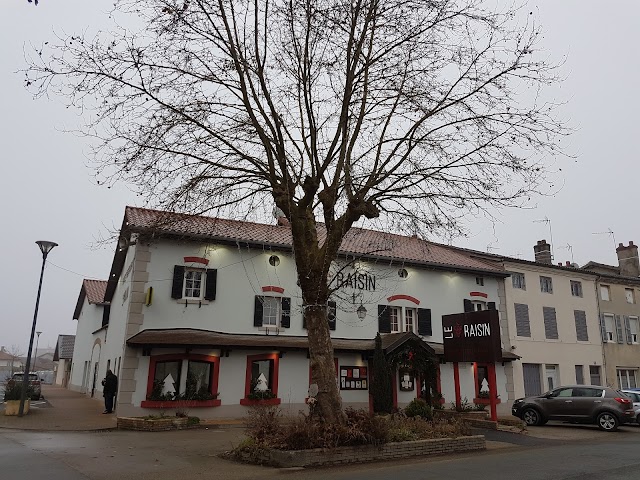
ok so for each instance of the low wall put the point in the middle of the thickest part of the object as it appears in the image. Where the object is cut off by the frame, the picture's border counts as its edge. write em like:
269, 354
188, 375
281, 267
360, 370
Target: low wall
152, 425
369, 453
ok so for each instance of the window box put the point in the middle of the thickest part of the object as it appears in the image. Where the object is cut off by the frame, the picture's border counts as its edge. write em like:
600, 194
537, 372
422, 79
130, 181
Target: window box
180, 403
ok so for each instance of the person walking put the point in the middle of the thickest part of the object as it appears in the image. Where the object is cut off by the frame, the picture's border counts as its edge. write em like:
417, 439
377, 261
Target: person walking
110, 384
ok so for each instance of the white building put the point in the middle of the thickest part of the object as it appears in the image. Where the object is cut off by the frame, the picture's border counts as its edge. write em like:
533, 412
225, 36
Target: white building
212, 306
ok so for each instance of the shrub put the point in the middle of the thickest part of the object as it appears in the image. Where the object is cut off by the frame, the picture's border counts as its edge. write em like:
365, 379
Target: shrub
263, 422
419, 408
13, 391
193, 421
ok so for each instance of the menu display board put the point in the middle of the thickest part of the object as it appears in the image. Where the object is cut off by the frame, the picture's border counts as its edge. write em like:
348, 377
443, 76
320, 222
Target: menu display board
353, 378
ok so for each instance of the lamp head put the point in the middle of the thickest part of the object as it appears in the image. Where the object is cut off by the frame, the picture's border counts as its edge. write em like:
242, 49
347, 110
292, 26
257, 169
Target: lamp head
362, 312
46, 246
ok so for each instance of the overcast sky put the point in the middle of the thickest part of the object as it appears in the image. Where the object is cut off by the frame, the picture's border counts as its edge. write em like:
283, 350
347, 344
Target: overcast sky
47, 191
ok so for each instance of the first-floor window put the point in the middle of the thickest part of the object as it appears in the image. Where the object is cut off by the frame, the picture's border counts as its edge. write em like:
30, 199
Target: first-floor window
409, 319
479, 305
396, 319
633, 329
594, 374
271, 311
610, 327
626, 378
193, 283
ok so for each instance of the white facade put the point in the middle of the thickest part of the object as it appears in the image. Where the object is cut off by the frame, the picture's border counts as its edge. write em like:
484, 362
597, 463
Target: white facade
243, 273
554, 361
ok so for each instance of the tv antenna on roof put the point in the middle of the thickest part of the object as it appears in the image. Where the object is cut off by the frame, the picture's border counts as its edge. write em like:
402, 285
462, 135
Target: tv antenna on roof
548, 222
610, 233
570, 248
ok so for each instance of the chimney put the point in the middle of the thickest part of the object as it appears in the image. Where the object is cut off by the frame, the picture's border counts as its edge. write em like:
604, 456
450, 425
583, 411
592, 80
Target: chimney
628, 260
542, 252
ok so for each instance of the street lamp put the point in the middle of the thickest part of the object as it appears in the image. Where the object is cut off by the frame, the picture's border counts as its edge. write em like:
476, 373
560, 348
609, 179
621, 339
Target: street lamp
35, 355
45, 248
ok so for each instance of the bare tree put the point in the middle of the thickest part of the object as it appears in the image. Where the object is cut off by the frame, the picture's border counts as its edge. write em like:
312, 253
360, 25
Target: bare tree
336, 110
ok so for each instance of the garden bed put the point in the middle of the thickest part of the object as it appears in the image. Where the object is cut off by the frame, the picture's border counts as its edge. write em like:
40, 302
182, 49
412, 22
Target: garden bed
157, 424
369, 453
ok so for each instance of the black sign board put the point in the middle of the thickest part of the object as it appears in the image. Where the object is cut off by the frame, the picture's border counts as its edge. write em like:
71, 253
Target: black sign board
472, 337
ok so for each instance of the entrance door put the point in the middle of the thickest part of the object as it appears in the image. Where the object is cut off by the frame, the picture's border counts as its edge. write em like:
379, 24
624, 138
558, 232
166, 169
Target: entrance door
551, 376
531, 374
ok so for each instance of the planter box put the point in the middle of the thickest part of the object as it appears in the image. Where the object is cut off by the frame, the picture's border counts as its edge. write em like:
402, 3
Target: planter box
12, 407
370, 453
179, 403
485, 401
152, 424
479, 415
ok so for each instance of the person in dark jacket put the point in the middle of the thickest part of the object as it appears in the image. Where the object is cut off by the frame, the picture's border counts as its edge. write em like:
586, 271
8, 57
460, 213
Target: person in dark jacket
110, 384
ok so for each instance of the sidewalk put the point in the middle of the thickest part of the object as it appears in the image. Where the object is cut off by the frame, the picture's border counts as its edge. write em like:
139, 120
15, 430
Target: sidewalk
67, 411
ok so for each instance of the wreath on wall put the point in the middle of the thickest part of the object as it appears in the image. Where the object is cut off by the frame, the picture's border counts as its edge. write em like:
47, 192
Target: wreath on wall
420, 363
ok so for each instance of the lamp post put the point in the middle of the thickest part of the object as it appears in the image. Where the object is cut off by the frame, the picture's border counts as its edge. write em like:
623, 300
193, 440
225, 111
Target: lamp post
35, 355
45, 248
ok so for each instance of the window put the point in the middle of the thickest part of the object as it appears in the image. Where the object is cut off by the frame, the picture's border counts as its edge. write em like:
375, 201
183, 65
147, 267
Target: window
594, 374
261, 380
174, 377
576, 288
633, 329
396, 319
480, 281
551, 374
579, 375
272, 312
409, 319
193, 283
482, 380
517, 280
523, 328
629, 295
479, 305
546, 284
580, 318
610, 327
605, 293
626, 378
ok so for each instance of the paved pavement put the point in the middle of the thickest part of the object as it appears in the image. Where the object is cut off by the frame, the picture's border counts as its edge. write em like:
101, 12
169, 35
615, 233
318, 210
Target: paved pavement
61, 410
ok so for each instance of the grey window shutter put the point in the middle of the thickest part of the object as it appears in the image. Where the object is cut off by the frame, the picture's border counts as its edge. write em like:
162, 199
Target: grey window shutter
211, 285
581, 325
257, 311
468, 305
627, 329
384, 319
424, 322
491, 306
550, 323
178, 281
619, 336
331, 315
523, 327
603, 329
285, 321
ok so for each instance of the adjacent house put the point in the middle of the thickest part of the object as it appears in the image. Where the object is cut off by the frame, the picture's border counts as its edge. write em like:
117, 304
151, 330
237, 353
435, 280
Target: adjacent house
9, 364
618, 289
212, 307
63, 355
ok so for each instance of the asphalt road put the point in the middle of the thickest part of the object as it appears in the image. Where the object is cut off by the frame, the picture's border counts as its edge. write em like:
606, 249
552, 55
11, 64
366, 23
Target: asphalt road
193, 455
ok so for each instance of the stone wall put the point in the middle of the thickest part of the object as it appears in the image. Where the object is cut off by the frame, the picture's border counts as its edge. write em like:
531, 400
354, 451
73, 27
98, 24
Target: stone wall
370, 453
152, 425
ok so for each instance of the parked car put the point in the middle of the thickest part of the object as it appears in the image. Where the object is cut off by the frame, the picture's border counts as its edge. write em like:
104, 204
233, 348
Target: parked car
602, 406
634, 395
34, 382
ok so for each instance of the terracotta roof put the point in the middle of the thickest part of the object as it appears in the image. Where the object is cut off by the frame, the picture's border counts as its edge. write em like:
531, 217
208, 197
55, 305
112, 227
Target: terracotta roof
206, 338
95, 290
6, 356
64, 347
368, 243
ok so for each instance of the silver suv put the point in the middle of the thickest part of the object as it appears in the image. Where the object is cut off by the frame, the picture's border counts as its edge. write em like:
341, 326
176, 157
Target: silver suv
602, 406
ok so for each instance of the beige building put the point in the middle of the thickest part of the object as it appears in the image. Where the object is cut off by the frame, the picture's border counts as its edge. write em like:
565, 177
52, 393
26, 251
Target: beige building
618, 291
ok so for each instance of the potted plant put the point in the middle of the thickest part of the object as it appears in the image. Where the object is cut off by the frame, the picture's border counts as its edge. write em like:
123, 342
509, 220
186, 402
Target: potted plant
12, 394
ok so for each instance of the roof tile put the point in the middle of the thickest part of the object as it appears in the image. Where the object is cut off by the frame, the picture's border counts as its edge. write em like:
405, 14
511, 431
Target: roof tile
95, 290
